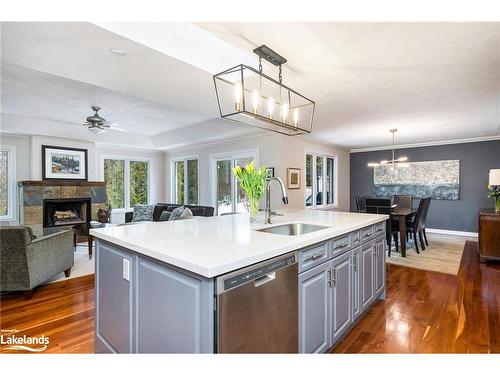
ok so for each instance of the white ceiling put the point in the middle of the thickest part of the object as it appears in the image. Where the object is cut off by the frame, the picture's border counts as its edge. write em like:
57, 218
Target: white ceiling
432, 81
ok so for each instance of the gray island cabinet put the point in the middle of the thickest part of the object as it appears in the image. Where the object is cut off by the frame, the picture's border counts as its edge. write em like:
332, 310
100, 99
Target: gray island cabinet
144, 305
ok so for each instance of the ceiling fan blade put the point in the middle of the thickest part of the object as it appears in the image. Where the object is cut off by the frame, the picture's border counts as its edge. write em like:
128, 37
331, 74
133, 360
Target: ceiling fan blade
112, 127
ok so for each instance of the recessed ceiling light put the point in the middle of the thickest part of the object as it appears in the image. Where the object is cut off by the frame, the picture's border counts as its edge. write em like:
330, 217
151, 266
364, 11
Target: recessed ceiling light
118, 52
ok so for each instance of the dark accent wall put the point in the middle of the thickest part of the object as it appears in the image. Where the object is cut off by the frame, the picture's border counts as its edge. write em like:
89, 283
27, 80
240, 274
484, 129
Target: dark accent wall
476, 159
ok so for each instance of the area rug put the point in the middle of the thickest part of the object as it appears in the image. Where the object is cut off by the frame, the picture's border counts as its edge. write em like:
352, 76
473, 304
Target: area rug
443, 255
82, 266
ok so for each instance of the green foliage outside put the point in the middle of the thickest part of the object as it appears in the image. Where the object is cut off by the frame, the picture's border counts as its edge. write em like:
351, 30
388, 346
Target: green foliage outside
192, 176
3, 182
138, 183
114, 175
179, 170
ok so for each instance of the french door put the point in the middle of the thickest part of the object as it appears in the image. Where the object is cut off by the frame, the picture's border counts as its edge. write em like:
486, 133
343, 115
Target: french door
229, 196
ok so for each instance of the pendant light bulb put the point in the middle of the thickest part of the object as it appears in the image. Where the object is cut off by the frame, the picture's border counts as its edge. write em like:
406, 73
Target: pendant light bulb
237, 96
296, 117
255, 101
284, 111
270, 107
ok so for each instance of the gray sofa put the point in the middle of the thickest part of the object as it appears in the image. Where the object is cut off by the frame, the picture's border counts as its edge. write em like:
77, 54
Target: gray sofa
26, 262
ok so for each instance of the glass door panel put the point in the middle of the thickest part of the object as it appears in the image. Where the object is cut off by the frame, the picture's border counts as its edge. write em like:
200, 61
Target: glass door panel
319, 180
241, 201
224, 186
329, 181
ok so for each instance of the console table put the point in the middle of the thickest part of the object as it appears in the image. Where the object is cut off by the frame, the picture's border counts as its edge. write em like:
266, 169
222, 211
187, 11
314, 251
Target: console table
489, 235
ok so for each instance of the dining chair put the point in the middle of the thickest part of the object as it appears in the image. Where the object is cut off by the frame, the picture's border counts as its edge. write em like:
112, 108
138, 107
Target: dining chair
404, 201
416, 225
424, 221
382, 206
360, 203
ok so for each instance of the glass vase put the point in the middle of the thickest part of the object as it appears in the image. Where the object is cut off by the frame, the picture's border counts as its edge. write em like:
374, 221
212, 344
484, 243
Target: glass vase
497, 204
253, 208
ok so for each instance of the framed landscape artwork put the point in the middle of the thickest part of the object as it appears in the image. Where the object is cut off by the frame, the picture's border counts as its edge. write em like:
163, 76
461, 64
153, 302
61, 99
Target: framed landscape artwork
63, 163
438, 179
293, 178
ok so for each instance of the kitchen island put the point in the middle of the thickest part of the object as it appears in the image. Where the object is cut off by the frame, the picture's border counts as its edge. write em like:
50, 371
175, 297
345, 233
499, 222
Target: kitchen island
184, 286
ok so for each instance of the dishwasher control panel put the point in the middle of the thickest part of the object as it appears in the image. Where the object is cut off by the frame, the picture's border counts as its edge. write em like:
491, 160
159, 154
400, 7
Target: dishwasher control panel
254, 273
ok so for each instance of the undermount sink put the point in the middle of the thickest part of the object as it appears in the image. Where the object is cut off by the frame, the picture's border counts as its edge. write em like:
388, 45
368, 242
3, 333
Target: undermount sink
292, 229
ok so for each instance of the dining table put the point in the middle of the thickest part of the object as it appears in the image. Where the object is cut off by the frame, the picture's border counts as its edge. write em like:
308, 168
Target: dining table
401, 214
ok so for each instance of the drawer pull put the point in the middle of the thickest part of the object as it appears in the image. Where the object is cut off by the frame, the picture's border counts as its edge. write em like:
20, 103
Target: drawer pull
316, 256
342, 245
367, 234
380, 230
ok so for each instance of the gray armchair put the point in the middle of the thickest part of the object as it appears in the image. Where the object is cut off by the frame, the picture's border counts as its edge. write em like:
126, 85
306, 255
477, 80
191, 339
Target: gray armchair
26, 263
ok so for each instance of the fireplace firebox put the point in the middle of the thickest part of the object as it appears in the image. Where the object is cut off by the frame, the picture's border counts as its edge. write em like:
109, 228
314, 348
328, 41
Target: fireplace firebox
66, 211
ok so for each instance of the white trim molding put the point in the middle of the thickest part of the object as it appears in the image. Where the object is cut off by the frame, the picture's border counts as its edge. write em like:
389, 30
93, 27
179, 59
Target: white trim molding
452, 232
11, 184
425, 144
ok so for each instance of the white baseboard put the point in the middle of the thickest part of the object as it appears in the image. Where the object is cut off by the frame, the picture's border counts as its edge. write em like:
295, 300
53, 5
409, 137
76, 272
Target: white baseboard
452, 232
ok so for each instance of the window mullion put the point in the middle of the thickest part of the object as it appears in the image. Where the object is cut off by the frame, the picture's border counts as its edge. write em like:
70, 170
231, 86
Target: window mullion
126, 184
185, 182
325, 192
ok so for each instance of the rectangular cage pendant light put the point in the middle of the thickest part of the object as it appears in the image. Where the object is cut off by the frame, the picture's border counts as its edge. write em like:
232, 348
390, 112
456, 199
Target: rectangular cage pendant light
248, 96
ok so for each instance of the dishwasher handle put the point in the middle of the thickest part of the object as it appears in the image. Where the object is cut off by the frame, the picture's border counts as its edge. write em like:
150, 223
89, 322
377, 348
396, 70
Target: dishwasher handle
264, 279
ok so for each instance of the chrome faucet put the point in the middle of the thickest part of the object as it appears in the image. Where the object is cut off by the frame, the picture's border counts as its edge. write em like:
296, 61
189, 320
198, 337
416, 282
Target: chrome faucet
268, 197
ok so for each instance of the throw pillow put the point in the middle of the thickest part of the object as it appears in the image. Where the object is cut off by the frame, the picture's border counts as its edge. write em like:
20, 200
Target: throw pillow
180, 213
143, 213
164, 216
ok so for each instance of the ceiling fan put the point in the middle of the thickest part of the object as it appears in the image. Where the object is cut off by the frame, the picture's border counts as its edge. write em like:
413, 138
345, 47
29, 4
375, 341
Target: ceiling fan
97, 124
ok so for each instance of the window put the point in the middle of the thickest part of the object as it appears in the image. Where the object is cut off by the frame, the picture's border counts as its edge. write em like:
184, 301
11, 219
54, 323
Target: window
127, 181
185, 181
7, 183
229, 196
320, 181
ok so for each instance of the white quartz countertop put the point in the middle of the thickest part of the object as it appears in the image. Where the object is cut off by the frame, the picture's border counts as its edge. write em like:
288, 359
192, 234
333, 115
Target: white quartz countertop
212, 246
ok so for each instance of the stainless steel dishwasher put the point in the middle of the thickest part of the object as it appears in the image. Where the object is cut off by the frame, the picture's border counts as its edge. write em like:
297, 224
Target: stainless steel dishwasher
257, 308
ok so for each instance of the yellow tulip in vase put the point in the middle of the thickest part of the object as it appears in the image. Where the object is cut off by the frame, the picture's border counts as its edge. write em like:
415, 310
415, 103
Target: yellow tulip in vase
253, 181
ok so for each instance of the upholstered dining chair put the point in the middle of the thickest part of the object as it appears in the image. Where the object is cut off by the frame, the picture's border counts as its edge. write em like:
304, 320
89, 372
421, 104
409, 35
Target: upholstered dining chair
404, 201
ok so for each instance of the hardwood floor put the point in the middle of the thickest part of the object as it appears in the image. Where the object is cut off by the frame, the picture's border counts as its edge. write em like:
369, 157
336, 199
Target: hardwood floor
425, 312
429, 312
62, 311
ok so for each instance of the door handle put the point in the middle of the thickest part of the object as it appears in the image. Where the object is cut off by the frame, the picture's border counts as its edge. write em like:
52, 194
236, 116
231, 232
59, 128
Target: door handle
374, 250
264, 279
334, 276
330, 277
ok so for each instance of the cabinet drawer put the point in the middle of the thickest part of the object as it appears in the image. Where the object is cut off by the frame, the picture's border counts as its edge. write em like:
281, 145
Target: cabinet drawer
341, 244
313, 255
356, 238
379, 229
367, 234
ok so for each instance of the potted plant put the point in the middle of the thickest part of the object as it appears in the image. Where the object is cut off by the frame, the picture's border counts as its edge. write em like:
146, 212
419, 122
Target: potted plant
253, 181
494, 192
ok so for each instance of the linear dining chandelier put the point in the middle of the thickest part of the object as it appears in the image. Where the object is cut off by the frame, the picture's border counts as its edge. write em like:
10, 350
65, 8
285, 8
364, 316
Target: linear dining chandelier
250, 97
399, 162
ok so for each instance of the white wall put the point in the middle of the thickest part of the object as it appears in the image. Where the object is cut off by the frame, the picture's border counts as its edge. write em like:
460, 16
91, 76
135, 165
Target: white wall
275, 150
29, 160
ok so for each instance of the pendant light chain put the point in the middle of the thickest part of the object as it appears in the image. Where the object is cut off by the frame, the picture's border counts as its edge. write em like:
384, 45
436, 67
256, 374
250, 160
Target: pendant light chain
260, 64
280, 76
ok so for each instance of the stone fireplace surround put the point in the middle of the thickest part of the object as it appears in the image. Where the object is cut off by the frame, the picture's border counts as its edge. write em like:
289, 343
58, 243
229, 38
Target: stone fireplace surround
33, 193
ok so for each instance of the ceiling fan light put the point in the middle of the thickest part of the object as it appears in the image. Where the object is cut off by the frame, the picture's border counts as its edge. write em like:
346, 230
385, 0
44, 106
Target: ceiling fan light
96, 130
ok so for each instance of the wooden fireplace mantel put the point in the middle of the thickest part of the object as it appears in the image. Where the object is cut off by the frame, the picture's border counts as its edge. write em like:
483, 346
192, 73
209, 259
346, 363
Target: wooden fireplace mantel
61, 183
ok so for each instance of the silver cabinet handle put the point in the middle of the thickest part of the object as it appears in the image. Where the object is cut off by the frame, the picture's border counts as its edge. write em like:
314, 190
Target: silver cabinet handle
355, 264
380, 230
316, 256
264, 279
367, 234
374, 250
330, 277
334, 276
342, 245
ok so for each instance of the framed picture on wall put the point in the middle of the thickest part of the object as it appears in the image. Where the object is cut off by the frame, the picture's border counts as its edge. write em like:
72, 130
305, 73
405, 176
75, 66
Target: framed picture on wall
293, 178
64, 163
